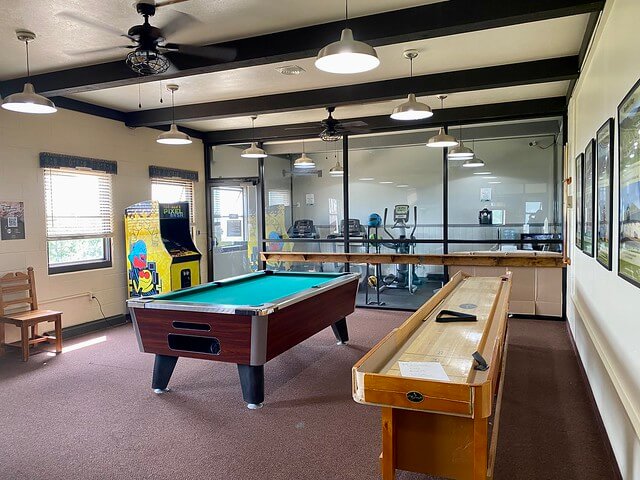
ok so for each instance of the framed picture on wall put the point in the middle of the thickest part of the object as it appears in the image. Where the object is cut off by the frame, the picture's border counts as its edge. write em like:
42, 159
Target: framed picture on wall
578, 199
588, 190
629, 186
604, 182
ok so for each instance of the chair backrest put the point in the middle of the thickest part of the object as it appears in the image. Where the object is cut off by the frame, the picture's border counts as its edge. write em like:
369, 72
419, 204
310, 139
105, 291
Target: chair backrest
18, 289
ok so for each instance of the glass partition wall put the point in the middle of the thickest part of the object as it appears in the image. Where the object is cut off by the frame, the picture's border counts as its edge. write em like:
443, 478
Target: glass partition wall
402, 197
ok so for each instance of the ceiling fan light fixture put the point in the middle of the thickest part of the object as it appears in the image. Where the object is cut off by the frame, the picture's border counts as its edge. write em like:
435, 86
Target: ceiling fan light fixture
442, 140
254, 151
460, 152
347, 56
147, 62
28, 101
412, 110
174, 137
304, 162
473, 163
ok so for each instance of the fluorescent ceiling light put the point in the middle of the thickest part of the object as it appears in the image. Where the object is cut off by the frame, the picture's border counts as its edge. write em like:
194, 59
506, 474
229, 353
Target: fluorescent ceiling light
385, 183
495, 182
402, 186
366, 179
482, 173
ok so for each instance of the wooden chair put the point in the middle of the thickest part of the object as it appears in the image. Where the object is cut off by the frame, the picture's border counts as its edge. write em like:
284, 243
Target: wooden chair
19, 290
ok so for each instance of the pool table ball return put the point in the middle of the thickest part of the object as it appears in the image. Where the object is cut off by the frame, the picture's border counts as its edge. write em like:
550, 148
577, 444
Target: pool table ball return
247, 320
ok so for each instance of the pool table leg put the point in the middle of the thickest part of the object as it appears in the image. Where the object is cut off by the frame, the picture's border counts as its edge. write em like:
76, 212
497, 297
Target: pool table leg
252, 382
162, 370
340, 331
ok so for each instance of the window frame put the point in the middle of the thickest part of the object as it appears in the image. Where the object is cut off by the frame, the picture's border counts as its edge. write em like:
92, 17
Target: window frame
79, 266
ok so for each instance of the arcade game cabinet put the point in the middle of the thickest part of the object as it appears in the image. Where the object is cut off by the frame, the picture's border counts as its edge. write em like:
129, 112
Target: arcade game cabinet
161, 255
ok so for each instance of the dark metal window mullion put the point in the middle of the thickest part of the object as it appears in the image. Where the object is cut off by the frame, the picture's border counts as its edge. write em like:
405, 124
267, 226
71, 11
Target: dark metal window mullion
345, 196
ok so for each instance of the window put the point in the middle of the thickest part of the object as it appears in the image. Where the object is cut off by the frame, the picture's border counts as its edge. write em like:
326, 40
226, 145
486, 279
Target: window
229, 204
279, 197
173, 190
79, 219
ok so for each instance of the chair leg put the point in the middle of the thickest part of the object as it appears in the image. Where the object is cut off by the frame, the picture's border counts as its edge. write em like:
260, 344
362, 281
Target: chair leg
58, 324
2, 338
24, 330
34, 330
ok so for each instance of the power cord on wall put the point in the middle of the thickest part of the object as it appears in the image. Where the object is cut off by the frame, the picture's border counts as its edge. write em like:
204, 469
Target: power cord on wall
93, 297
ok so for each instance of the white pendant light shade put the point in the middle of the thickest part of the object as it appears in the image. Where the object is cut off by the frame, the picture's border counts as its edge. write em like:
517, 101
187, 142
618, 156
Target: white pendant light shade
28, 101
336, 170
174, 137
412, 110
460, 152
473, 163
442, 140
253, 152
347, 56
304, 162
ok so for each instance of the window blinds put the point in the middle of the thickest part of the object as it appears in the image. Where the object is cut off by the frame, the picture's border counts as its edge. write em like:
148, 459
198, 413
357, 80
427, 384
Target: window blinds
173, 190
78, 204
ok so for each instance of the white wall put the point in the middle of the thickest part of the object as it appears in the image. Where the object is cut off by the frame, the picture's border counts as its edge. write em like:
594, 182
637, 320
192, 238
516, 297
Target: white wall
22, 138
603, 309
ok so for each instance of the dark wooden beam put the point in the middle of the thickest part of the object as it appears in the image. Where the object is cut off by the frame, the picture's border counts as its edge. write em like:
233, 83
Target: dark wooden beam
110, 113
592, 23
411, 24
551, 70
539, 108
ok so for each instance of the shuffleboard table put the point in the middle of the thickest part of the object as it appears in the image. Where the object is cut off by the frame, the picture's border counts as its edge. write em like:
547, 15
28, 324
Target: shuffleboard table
247, 320
438, 378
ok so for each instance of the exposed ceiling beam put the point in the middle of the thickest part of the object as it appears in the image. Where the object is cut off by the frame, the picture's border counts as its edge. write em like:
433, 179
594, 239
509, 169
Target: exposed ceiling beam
592, 24
110, 113
539, 108
416, 23
551, 70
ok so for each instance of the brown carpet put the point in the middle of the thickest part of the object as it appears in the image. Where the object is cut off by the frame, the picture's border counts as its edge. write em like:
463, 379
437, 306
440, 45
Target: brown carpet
90, 413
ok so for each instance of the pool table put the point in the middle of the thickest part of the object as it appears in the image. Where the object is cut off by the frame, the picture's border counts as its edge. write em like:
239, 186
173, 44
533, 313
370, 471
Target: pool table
247, 320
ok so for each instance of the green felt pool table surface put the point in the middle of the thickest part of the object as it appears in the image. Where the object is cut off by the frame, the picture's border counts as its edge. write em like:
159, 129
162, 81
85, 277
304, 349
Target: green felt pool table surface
254, 289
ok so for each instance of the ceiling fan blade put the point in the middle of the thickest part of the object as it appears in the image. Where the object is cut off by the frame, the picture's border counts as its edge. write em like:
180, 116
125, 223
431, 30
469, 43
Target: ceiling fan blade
357, 130
164, 3
177, 22
95, 23
355, 123
172, 68
302, 128
213, 53
95, 50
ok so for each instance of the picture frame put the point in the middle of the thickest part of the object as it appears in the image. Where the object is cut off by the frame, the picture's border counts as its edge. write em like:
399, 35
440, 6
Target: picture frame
629, 186
578, 199
588, 197
604, 202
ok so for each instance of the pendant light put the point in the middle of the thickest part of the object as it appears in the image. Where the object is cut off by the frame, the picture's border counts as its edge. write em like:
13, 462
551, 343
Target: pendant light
473, 162
411, 109
254, 151
442, 139
337, 170
173, 136
303, 161
28, 101
347, 55
460, 152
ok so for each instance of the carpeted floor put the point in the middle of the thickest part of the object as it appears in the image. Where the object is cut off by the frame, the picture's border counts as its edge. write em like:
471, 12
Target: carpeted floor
89, 413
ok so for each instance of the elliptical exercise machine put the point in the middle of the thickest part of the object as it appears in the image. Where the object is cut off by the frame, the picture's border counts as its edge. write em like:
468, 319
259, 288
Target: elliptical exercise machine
405, 276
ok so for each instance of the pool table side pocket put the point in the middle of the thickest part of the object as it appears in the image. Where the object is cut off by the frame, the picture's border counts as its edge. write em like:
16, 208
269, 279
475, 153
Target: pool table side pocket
232, 332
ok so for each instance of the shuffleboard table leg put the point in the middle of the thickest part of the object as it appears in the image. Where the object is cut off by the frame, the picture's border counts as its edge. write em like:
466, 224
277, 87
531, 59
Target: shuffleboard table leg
162, 370
340, 331
252, 382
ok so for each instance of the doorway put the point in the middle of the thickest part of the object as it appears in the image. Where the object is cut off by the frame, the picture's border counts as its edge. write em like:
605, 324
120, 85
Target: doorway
233, 241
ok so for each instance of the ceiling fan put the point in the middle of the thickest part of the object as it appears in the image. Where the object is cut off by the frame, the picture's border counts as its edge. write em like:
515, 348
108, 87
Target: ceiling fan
150, 53
332, 130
